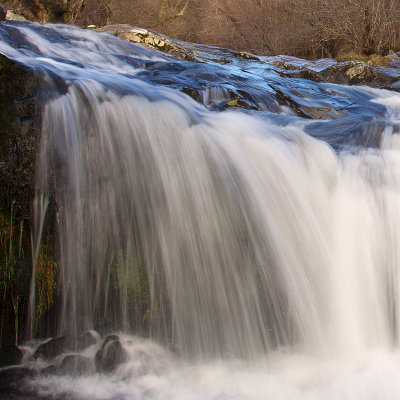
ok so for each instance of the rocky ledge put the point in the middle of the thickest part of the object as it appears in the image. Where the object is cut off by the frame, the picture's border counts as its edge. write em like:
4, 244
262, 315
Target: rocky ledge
176, 48
326, 70
345, 73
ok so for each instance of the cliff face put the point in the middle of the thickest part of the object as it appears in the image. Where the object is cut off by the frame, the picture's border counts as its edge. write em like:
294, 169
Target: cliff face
19, 127
65, 11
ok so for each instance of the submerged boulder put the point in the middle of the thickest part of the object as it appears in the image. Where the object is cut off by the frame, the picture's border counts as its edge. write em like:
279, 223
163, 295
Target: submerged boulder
111, 355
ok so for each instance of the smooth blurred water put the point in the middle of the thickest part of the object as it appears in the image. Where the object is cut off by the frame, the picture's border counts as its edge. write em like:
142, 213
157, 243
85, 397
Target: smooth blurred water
272, 257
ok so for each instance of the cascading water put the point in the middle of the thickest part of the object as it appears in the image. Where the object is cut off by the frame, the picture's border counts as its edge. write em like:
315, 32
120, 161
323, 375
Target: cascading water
265, 261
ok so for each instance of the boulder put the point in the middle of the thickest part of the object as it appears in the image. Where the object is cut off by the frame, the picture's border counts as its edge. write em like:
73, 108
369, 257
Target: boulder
12, 16
54, 347
10, 355
111, 355
51, 348
76, 365
85, 340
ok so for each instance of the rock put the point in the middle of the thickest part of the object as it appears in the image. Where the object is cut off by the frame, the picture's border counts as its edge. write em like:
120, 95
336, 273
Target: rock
57, 346
109, 338
64, 11
76, 365
148, 38
86, 339
111, 355
49, 370
11, 16
3, 12
10, 355
51, 348
19, 134
346, 73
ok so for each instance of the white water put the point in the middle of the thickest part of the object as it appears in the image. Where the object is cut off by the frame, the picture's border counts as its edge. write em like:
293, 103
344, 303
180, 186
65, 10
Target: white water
152, 373
273, 261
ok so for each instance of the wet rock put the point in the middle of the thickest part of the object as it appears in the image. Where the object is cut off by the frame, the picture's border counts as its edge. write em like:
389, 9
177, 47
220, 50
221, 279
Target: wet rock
111, 355
3, 12
85, 340
193, 93
346, 73
52, 348
245, 55
76, 365
19, 135
10, 355
109, 338
57, 346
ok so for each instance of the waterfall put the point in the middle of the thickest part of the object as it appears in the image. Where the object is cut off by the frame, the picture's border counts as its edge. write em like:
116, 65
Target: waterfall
227, 235
252, 235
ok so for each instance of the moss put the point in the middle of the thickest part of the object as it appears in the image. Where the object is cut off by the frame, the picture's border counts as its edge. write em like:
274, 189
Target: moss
131, 278
45, 282
232, 103
15, 274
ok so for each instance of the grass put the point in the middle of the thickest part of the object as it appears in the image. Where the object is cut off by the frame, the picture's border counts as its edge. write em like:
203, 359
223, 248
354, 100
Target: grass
373, 59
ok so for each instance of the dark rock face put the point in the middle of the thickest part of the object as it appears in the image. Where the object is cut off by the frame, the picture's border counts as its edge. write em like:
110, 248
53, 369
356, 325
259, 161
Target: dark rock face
19, 134
10, 355
3, 12
111, 355
12, 380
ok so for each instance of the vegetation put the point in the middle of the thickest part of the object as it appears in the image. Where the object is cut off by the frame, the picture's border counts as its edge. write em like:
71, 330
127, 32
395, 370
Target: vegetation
14, 278
131, 278
45, 283
303, 28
